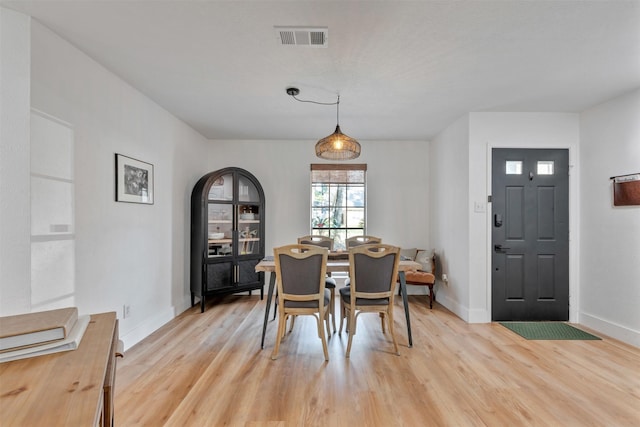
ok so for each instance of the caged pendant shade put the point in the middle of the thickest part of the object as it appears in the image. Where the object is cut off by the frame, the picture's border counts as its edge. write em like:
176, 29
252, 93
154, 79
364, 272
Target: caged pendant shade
336, 146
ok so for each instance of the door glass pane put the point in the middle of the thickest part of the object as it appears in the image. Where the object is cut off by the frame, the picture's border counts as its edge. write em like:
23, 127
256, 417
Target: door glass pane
220, 226
247, 191
222, 188
513, 167
545, 167
248, 229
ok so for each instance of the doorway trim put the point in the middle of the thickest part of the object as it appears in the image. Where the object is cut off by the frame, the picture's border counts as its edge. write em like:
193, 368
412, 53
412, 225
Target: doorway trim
574, 235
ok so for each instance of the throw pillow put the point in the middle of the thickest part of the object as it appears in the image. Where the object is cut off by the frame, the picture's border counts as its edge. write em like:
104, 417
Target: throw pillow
408, 253
425, 259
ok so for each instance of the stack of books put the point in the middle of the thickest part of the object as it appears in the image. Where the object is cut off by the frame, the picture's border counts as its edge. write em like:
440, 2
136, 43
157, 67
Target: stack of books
45, 332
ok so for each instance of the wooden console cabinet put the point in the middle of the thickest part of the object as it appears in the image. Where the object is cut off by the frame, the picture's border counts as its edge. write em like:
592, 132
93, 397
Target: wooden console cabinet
71, 388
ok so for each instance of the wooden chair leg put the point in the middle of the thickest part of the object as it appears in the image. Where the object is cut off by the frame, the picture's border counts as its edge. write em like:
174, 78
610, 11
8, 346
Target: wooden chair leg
333, 309
281, 328
293, 320
341, 315
392, 330
322, 319
351, 325
326, 316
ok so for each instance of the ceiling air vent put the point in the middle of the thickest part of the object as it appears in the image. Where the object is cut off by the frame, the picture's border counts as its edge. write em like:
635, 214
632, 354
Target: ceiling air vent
303, 36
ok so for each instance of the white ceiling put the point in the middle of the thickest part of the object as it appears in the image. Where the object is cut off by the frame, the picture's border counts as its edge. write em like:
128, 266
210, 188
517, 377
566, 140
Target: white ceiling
404, 69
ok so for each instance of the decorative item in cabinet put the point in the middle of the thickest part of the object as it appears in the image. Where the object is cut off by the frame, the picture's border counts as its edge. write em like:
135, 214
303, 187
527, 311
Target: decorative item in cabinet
227, 234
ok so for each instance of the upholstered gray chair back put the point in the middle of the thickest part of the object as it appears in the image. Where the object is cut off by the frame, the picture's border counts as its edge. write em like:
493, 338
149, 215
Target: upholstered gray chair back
325, 242
354, 241
374, 274
300, 276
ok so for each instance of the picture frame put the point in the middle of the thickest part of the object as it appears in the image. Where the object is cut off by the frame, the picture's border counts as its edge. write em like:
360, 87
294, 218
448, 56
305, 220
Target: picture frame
626, 190
134, 180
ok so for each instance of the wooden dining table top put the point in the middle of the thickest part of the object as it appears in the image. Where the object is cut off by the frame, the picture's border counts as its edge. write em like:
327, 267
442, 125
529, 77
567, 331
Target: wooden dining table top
268, 264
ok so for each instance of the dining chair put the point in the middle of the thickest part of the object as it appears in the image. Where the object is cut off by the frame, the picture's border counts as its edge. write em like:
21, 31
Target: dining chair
300, 277
330, 283
354, 241
361, 240
317, 240
373, 270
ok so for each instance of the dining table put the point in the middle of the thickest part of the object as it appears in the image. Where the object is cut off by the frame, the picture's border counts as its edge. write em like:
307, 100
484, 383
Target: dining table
337, 262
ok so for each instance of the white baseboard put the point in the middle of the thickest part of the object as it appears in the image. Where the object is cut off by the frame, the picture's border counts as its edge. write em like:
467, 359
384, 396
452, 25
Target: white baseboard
147, 327
184, 306
610, 329
479, 316
453, 306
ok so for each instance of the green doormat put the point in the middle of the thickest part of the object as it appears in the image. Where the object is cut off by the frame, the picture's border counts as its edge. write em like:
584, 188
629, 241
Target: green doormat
548, 331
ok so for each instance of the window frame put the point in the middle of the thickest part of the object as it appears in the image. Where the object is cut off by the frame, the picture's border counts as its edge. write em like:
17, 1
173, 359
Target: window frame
338, 176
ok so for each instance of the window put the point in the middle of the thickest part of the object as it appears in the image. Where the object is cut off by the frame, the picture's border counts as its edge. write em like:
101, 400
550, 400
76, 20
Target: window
513, 167
338, 201
545, 167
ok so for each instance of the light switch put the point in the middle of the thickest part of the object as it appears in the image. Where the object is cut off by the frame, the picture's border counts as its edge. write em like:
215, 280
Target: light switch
479, 207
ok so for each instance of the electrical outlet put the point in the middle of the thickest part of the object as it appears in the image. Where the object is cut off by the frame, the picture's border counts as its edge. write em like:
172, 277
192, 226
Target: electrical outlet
445, 278
126, 311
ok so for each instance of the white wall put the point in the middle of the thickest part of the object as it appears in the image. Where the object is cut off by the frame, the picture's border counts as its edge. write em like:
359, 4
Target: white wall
610, 242
461, 160
449, 225
516, 130
397, 186
15, 219
138, 254
126, 253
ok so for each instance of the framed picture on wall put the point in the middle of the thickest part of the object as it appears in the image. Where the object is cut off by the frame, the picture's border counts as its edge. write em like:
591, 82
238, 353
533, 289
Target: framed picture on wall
134, 180
626, 190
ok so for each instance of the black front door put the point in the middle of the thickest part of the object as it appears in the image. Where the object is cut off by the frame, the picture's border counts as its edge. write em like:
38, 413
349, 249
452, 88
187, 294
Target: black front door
530, 234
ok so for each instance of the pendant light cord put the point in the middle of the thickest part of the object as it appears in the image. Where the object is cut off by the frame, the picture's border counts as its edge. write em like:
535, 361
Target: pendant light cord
337, 104
316, 102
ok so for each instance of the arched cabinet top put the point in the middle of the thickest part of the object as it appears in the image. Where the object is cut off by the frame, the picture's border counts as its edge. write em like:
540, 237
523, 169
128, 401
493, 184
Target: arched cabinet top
204, 184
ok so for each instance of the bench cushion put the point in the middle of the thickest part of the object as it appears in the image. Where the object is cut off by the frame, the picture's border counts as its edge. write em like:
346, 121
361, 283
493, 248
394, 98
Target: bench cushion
419, 277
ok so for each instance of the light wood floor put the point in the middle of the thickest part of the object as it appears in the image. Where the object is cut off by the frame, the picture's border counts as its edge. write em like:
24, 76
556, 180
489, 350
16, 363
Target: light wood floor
208, 370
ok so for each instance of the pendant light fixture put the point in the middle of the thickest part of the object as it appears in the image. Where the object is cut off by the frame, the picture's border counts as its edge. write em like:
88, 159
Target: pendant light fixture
336, 146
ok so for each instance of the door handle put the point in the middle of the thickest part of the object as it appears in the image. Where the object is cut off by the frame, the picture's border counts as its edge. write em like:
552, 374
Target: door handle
499, 248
